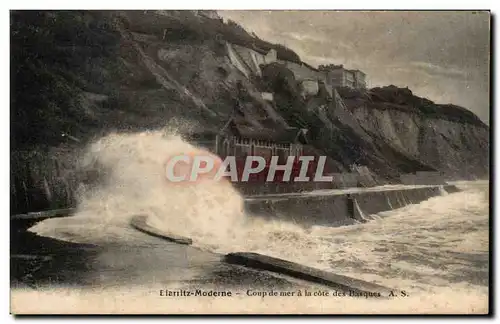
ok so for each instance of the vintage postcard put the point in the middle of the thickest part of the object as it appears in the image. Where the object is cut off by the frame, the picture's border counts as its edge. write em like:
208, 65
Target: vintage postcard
249, 162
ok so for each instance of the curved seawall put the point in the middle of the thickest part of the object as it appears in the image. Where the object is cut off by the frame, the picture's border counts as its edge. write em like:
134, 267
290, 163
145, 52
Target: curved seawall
337, 207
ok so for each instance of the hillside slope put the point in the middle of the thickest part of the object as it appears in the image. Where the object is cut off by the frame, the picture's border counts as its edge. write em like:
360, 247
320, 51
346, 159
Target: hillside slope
445, 137
85, 73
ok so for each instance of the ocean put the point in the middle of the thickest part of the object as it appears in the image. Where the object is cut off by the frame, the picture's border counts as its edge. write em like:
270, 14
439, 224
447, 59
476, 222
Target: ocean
436, 251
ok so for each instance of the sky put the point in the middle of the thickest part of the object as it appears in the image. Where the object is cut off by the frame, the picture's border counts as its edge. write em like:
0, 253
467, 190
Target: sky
441, 55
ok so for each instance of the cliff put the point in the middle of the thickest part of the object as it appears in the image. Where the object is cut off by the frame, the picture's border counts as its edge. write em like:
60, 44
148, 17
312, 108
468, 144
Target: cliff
448, 138
85, 73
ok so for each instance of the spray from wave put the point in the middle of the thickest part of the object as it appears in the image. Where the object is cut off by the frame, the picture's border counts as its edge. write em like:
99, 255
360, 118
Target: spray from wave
393, 250
128, 172
129, 179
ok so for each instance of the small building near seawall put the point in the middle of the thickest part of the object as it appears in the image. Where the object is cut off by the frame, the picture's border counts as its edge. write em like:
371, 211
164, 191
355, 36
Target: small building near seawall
239, 139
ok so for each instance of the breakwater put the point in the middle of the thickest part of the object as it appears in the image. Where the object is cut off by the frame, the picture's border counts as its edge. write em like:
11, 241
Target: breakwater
320, 207
340, 207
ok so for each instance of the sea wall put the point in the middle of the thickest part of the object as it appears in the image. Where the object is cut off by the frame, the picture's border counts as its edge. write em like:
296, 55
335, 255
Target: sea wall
360, 178
338, 209
321, 209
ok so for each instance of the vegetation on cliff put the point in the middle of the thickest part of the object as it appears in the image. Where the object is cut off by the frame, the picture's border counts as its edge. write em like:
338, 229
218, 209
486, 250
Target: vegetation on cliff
73, 73
392, 97
83, 73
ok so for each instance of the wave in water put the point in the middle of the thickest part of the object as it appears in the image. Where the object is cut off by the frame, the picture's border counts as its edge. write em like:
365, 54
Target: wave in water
440, 241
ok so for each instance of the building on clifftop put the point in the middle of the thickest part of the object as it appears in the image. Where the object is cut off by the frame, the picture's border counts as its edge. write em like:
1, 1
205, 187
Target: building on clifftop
338, 76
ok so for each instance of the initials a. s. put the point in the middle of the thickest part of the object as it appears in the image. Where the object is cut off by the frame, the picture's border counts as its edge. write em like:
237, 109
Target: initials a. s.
402, 293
